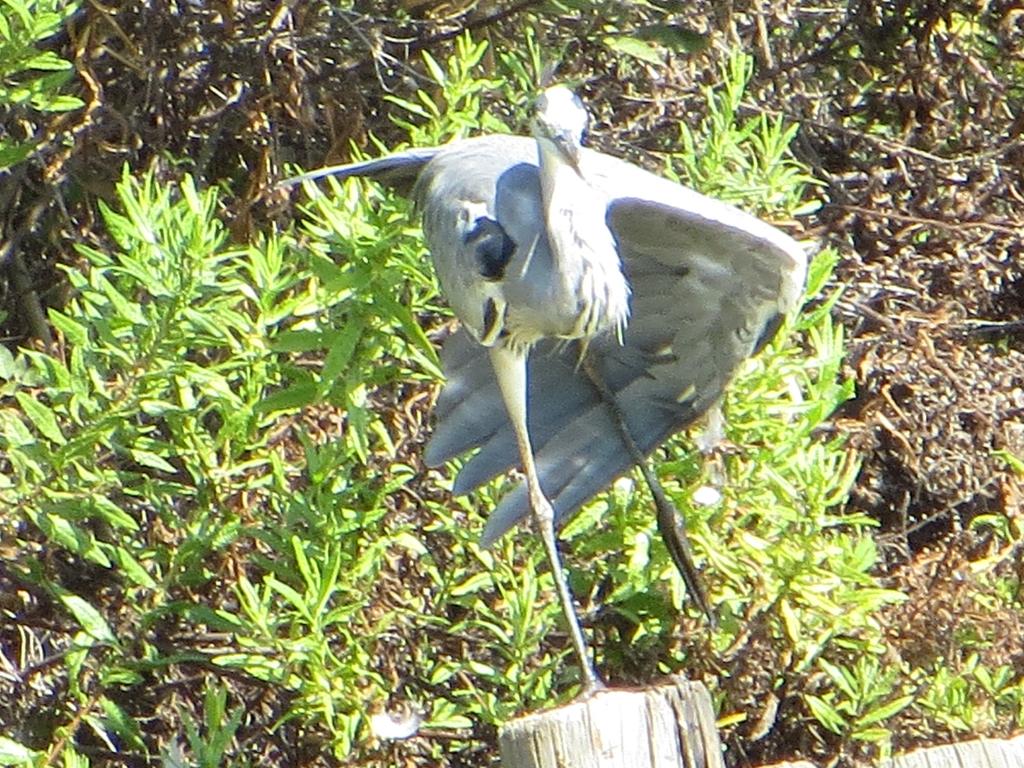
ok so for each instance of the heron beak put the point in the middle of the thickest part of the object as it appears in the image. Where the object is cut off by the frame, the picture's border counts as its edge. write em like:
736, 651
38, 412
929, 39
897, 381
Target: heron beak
569, 148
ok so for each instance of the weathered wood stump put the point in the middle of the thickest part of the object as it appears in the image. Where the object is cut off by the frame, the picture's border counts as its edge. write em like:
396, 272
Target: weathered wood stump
980, 753
666, 726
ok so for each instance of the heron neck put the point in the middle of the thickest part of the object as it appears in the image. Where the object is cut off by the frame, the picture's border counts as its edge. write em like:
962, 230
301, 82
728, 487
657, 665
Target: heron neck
585, 253
574, 212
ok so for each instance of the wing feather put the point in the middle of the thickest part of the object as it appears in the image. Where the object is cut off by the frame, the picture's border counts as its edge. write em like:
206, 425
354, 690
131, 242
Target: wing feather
398, 171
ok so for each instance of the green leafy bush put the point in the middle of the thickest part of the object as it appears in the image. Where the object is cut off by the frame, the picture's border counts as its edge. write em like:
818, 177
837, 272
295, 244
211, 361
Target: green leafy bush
30, 77
225, 450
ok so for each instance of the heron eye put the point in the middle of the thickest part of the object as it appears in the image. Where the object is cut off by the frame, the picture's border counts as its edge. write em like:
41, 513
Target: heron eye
492, 247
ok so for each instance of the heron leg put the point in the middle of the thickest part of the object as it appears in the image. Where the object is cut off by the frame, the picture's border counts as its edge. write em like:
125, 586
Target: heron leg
671, 524
510, 369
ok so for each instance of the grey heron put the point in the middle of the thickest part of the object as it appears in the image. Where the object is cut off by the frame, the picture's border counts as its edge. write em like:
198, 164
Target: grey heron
612, 304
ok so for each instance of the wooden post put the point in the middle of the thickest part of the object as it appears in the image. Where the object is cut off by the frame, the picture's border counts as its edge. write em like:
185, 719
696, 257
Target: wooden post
667, 726
980, 753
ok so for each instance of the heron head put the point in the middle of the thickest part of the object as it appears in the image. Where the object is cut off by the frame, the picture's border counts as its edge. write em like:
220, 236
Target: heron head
561, 119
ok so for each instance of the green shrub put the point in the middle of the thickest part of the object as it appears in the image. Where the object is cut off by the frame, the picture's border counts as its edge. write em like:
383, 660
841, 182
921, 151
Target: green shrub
31, 78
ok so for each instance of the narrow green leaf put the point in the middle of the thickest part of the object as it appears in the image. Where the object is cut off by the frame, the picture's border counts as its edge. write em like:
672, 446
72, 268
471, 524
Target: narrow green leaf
413, 331
333, 277
299, 341
219, 621
296, 396
841, 677
437, 73
127, 309
87, 616
885, 711
13, 430
12, 154
41, 417
342, 344
133, 569
673, 36
223, 734
1015, 462
791, 620
22, 9
872, 735
73, 331
125, 727
13, 753
477, 582
112, 513
48, 61
79, 540
638, 49
7, 365
825, 713
303, 564
408, 106
288, 593
63, 103
451, 722
152, 460
410, 543
214, 700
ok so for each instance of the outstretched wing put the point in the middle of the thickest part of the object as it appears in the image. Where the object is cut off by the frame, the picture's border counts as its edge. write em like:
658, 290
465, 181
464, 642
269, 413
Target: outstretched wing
709, 285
